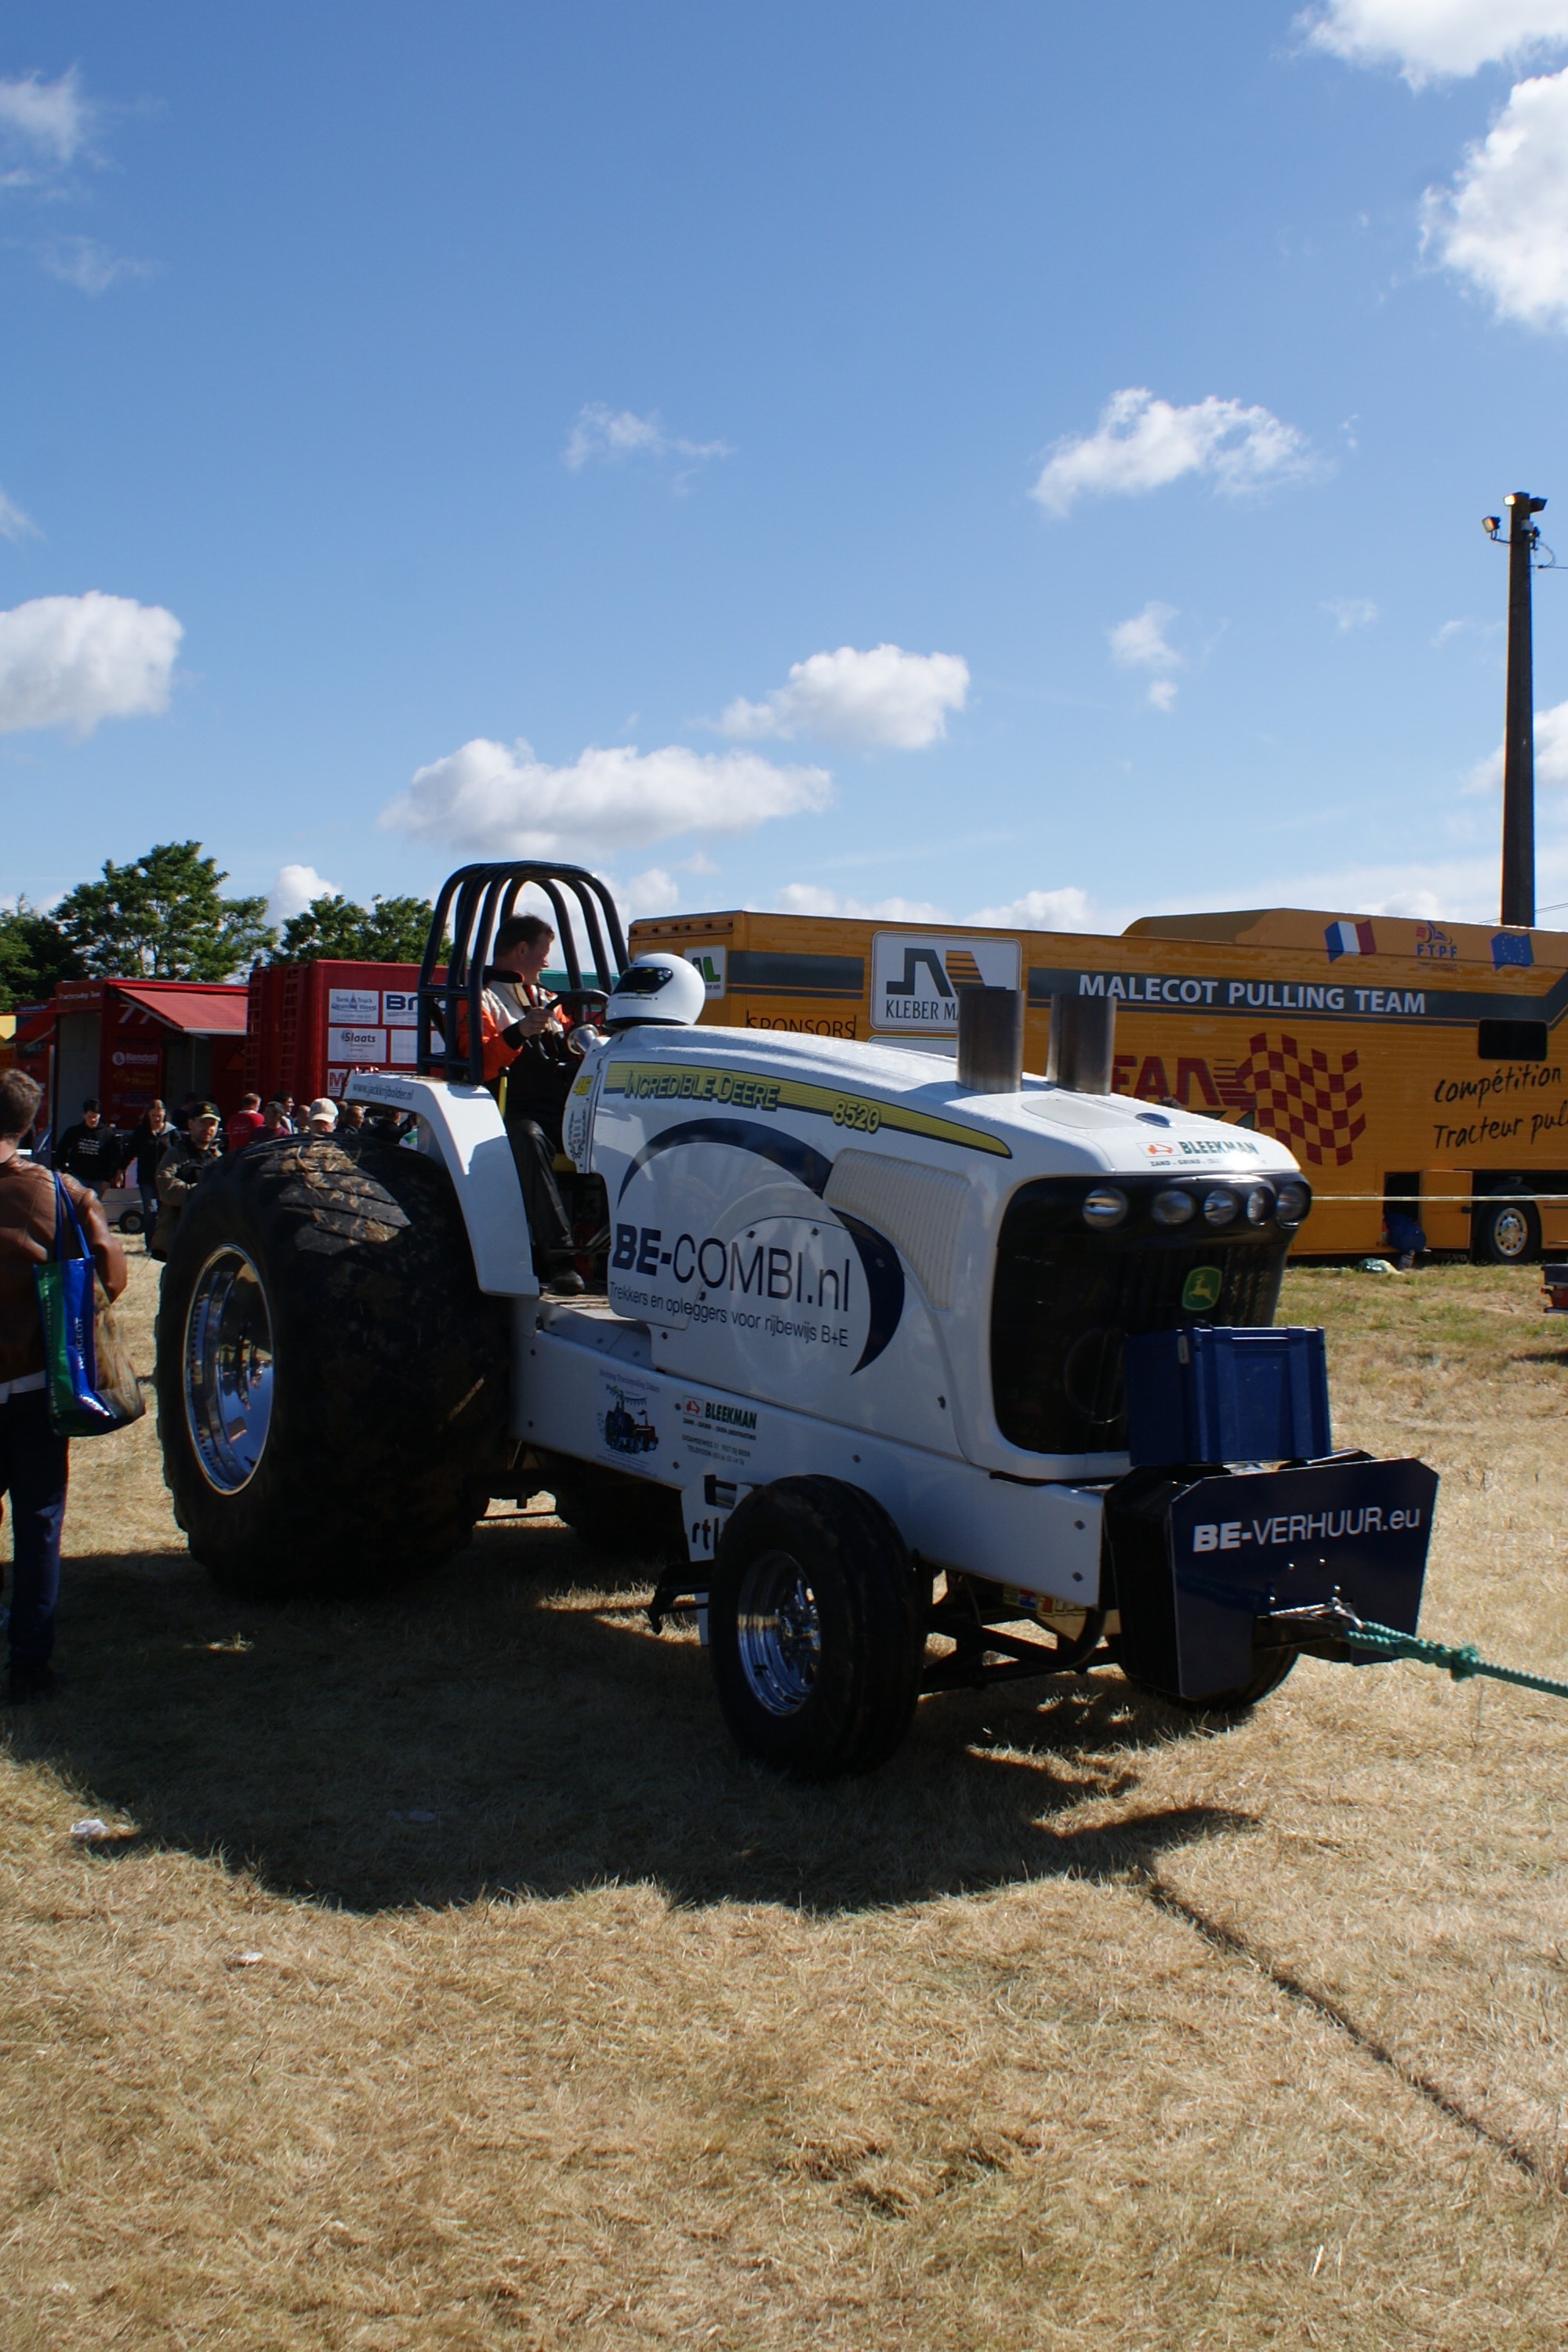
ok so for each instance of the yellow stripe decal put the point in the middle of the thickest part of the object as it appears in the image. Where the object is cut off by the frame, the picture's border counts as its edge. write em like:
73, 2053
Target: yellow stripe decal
745, 1090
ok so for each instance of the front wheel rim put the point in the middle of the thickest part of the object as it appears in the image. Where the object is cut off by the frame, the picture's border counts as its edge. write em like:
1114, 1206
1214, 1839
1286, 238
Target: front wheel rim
779, 1631
227, 1371
1510, 1233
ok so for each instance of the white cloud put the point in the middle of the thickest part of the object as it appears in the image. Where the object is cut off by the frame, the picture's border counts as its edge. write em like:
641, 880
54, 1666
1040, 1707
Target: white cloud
73, 661
1504, 224
90, 268
14, 523
618, 434
49, 121
1141, 442
883, 697
655, 892
497, 799
813, 899
1551, 754
1351, 612
1433, 37
296, 889
1456, 889
1041, 910
1141, 643
1035, 910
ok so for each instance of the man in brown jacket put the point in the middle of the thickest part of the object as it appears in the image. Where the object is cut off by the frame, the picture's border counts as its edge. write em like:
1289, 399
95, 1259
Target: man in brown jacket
33, 1462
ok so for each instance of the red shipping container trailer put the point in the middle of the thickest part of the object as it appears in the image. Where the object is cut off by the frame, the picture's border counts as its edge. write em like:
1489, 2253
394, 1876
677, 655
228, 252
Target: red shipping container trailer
130, 1041
311, 1025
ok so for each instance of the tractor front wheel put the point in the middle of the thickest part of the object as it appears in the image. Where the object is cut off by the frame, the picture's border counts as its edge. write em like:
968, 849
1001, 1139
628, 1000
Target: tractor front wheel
815, 1627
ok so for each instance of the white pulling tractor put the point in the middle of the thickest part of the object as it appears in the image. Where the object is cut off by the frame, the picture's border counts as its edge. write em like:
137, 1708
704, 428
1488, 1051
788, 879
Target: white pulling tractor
872, 1346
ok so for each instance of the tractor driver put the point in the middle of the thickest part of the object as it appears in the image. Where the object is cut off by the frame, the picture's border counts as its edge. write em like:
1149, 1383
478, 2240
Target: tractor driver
530, 1059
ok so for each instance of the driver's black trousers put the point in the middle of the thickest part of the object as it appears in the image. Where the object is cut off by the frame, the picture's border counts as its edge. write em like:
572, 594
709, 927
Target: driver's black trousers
534, 1155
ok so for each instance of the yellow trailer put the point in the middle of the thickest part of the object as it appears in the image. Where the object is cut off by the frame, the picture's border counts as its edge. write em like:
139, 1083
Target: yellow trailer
1409, 1066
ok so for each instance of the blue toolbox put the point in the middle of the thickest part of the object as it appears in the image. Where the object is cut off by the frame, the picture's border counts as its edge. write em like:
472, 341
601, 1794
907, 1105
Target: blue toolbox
1214, 1395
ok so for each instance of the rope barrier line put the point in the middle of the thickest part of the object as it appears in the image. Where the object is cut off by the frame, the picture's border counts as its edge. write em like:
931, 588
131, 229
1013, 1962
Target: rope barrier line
1459, 1659
1433, 1200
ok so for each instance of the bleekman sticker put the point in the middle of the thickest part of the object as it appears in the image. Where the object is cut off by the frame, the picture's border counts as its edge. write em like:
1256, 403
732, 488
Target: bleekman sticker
1203, 1148
716, 1429
915, 980
747, 1090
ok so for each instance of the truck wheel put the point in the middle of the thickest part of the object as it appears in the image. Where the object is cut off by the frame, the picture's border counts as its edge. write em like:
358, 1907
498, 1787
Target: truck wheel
815, 1627
332, 1384
630, 1518
1505, 1232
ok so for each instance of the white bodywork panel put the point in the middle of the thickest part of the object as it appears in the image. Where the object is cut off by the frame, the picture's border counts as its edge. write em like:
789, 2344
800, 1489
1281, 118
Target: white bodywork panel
461, 1125
586, 1375
812, 1222
804, 1232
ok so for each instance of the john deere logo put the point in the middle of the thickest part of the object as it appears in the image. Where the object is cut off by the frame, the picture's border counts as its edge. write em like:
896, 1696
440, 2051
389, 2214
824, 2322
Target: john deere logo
1202, 1289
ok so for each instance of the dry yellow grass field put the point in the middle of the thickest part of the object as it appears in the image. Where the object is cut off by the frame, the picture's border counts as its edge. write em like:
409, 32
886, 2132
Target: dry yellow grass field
449, 1983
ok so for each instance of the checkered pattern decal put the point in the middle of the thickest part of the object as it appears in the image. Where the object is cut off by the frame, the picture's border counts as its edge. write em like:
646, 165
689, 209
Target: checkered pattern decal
1308, 1101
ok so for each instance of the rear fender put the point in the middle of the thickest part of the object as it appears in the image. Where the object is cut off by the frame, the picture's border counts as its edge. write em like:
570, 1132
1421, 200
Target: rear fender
462, 1126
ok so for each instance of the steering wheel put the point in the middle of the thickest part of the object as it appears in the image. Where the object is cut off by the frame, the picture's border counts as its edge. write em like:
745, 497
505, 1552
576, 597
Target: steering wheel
591, 1000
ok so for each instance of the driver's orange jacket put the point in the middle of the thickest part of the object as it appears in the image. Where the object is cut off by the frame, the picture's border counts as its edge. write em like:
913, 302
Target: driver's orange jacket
497, 1015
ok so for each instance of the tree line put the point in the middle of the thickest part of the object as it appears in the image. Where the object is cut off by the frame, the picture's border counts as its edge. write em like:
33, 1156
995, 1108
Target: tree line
164, 916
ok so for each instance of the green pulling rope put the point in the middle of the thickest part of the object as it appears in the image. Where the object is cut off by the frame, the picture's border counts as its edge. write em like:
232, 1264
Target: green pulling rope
1461, 1661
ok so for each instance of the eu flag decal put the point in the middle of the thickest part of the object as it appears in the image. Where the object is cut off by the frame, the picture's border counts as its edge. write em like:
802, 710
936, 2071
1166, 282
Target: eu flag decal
1512, 947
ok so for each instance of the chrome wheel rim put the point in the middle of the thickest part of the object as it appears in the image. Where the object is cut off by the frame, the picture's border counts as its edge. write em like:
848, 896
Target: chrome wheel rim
780, 1632
1511, 1231
228, 1370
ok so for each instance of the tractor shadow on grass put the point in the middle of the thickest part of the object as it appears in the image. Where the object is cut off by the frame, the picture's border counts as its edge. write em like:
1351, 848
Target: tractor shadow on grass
513, 1727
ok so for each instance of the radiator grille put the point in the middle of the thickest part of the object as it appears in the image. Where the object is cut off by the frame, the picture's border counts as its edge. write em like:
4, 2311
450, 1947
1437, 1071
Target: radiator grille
1065, 1300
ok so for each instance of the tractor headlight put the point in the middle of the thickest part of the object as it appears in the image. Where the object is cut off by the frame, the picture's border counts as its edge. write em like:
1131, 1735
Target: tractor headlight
1104, 1207
1173, 1208
1220, 1208
1259, 1200
1292, 1203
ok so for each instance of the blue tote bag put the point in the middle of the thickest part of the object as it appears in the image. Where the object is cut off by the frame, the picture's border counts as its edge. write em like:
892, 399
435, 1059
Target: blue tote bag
68, 1308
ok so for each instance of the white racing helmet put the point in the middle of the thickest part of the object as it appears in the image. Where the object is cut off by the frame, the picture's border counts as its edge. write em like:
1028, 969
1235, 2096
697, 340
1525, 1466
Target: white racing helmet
656, 988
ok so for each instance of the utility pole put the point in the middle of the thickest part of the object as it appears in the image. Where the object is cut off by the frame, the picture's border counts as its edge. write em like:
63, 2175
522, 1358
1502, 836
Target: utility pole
1519, 733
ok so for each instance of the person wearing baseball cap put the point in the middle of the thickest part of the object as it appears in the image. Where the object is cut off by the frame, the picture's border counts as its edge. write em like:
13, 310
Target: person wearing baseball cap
322, 1118
189, 1157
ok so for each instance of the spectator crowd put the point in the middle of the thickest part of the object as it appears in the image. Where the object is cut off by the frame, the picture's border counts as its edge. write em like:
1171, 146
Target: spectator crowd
165, 1158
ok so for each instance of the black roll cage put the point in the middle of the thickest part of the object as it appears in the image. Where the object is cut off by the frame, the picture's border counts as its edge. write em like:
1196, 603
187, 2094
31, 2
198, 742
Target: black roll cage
473, 904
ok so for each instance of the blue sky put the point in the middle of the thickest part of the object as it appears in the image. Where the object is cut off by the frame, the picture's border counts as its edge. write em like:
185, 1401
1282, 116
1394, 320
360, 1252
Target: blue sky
1022, 459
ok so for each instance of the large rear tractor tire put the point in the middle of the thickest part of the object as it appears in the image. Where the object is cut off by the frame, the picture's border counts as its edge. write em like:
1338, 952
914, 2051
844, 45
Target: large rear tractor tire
331, 1382
815, 1628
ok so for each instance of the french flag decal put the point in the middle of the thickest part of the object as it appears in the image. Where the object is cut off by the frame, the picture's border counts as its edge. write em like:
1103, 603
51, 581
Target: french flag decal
1349, 939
